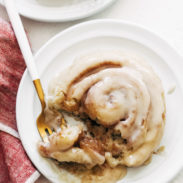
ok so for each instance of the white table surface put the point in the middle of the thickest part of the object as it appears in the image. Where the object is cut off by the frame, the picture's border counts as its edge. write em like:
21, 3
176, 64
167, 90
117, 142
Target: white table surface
164, 17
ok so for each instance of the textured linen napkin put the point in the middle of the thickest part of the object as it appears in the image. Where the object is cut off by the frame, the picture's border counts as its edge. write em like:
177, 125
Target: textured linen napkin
15, 166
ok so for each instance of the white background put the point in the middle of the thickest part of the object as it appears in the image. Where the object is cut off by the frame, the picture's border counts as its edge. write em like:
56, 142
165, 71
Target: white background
164, 17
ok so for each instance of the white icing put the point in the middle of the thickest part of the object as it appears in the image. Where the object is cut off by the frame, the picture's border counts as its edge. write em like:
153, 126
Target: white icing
129, 97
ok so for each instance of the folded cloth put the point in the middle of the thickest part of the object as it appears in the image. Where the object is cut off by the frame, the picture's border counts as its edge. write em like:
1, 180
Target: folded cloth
15, 166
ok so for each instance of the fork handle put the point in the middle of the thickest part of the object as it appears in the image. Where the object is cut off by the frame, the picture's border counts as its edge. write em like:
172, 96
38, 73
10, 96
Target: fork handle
21, 37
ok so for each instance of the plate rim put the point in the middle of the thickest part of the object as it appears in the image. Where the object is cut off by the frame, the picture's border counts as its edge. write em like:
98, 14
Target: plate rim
109, 21
60, 19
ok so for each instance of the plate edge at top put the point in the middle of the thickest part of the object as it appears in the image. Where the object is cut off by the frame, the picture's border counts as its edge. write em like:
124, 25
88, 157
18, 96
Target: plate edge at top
43, 18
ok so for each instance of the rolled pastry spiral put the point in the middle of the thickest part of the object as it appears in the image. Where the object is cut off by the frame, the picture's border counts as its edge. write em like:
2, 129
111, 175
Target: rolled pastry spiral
117, 91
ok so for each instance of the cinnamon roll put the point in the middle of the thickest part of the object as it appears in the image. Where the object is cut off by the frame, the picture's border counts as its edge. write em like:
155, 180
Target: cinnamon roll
120, 100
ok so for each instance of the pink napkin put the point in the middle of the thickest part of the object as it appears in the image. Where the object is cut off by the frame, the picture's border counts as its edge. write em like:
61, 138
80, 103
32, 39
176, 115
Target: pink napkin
15, 166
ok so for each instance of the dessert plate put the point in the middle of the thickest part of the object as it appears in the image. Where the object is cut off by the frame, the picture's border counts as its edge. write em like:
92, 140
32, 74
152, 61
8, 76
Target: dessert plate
59, 53
60, 10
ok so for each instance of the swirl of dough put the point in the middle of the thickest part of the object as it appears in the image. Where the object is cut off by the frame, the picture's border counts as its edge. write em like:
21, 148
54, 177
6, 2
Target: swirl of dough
119, 92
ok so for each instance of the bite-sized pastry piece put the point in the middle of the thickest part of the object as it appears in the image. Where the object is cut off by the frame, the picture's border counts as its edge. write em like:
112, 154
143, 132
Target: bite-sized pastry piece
60, 147
62, 140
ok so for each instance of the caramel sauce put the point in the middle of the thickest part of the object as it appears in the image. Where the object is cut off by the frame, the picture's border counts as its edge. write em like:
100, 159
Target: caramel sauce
98, 174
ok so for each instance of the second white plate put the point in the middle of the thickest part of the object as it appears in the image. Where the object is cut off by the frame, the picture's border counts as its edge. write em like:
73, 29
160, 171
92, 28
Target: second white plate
60, 52
60, 10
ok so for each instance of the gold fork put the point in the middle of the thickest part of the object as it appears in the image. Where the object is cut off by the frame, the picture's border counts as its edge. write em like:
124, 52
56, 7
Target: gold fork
42, 127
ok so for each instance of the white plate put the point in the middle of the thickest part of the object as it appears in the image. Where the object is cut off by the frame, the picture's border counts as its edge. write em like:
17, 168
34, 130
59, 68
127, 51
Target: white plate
60, 51
60, 10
